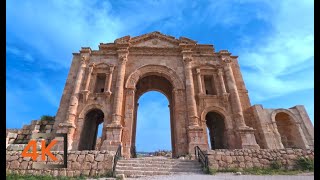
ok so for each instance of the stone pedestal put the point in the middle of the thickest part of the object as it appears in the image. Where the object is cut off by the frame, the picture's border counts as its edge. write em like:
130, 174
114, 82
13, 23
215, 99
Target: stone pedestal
248, 140
69, 129
113, 137
85, 94
196, 138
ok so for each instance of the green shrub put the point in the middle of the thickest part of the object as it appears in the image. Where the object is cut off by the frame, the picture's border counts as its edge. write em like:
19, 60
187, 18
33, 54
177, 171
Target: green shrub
304, 163
47, 118
229, 170
13, 176
209, 171
276, 165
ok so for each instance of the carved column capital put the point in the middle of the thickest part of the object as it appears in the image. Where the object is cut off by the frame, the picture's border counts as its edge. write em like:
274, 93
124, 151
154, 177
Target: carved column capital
187, 60
92, 65
84, 59
226, 60
122, 58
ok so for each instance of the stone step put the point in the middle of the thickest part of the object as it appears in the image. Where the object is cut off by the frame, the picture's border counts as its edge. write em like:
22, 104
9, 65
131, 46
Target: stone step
158, 162
167, 169
160, 165
158, 159
135, 173
138, 167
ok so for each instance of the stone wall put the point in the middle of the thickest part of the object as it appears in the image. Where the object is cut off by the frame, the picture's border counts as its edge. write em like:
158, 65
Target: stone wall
87, 163
248, 158
36, 126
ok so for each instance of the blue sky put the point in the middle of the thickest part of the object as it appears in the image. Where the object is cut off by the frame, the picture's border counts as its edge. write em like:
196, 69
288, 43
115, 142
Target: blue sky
273, 39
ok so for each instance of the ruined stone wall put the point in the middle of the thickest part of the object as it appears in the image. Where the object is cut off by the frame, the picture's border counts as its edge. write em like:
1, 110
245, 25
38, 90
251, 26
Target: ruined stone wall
87, 163
18, 138
248, 158
11, 131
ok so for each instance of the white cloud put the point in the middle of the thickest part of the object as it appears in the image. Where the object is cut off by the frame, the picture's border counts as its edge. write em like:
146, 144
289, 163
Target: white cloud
55, 29
19, 53
276, 61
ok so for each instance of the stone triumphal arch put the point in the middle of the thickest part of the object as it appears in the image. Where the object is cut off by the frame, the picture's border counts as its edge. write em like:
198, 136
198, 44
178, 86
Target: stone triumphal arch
205, 89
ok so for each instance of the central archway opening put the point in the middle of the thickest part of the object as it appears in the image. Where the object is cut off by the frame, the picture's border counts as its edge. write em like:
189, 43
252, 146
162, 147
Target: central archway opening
153, 125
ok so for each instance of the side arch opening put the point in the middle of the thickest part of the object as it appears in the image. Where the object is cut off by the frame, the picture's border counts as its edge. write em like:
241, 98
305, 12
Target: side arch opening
288, 130
89, 133
216, 131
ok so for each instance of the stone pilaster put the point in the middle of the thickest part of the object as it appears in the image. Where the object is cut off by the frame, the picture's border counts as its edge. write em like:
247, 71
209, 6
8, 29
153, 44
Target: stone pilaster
118, 96
114, 130
245, 133
191, 102
69, 125
86, 88
221, 82
195, 132
89, 77
199, 82
109, 81
235, 100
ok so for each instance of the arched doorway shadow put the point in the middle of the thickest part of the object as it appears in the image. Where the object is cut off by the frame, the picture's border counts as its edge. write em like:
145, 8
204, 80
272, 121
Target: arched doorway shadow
89, 132
288, 130
216, 130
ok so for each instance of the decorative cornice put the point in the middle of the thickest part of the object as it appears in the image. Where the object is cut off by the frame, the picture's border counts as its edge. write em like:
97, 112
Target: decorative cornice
123, 40
155, 34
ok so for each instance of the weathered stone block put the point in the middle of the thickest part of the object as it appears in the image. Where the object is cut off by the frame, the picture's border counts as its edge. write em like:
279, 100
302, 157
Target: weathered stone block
99, 157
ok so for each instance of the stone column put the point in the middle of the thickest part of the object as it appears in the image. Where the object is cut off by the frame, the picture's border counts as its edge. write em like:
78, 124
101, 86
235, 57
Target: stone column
69, 125
192, 106
114, 130
221, 81
108, 83
89, 77
199, 82
195, 132
129, 119
86, 88
214, 84
94, 81
235, 99
246, 133
118, 96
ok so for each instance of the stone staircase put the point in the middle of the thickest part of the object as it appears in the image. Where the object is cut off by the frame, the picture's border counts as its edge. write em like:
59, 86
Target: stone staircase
150, 166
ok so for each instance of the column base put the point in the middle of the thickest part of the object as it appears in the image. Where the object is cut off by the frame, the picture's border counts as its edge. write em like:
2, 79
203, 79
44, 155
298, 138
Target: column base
247, 137
65, 128
85, 95
108, 93
113, 137
195, 137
